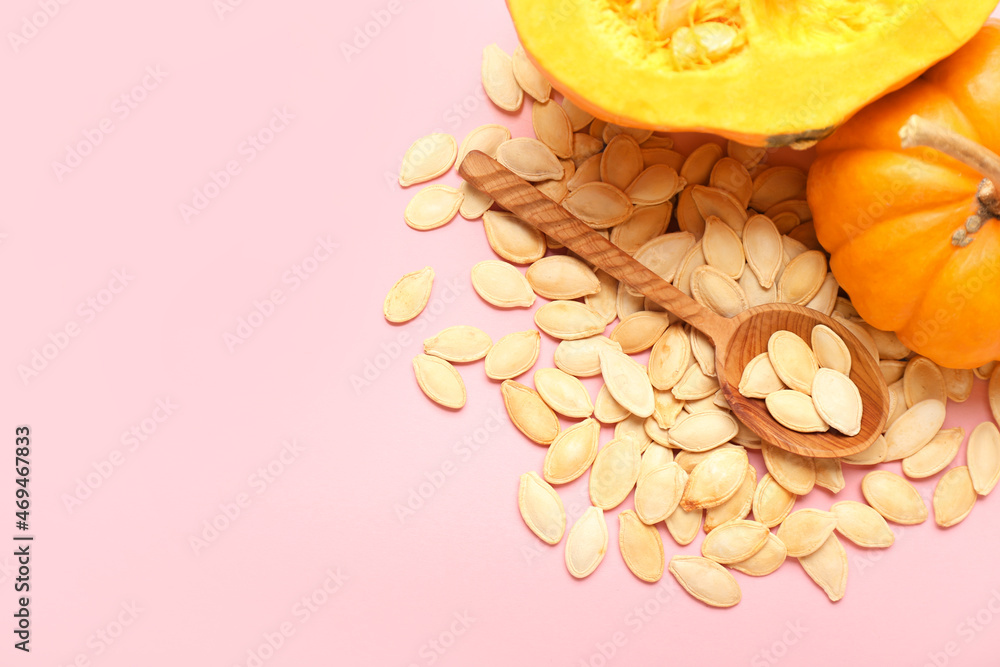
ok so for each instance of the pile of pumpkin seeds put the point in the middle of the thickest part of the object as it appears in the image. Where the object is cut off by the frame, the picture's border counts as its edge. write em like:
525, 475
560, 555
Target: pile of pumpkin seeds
733, 232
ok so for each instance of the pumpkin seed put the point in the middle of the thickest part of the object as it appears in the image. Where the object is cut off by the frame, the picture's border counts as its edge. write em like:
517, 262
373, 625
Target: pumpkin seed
718, 292
502, 285
684, 525
776, 185
498, 79
759, 379
667, 409
694, 258
596, 128
715, 479
892, 370
923, 380
772, 502
703, 431
737, 507
792, 249
695, 385
954, 497
805, 531
658, 493
622, 161
641, 547
654, 185
874, 455
689, 218
530, 414
530, 159
936, 455
771, 556
655, 456
838, 401
730, 175
599, 205
572, 452
688, 460
658, 434
562, 278
793, 360
888, 344
826, 297
607, 410
569, 320
587, 543
797, 207
529, 78
893, 497
605, 300
627, 382
721, 204
795, 473
428, 158
664, 156
897, 404
722, 247
706, 581
485, 138
827, 566
408, 296
958, 384
512, 238
587, 158
541, 508
645, 224
663, 254
459, 344
513, 355
614, 473
703, 352
635, 427
558, 189
829, 474
553, 127
432, 207
757, 295
862, 335
734, 541
985, 372
439, 381
914, 429
626, 304
580, 357
748, 156
657, 141
830, 349
577, 116
640, 331
862, 525
563, 393
983, 453
474, 202
612, 130
763, 250
697, 169
802, 278
796, 411
746, 437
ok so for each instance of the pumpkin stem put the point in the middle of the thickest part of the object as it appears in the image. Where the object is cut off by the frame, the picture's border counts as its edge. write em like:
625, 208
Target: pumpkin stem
922, 132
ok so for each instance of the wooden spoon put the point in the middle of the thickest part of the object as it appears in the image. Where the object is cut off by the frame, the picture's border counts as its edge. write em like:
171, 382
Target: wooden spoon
737, 340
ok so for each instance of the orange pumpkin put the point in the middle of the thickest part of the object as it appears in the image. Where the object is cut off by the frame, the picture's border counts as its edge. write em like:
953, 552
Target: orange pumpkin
914, 234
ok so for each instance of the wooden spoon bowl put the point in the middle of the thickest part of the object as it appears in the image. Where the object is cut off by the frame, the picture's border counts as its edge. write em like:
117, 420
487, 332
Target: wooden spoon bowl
737, 340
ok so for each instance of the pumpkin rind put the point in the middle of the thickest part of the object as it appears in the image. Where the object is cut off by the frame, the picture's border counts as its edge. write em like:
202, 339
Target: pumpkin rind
887, 215
793, 77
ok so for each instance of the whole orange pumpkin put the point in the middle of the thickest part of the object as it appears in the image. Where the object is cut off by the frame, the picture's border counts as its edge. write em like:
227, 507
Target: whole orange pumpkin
914, 233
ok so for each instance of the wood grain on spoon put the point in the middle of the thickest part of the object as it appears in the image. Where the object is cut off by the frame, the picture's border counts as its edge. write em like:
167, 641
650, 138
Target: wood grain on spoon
737, 340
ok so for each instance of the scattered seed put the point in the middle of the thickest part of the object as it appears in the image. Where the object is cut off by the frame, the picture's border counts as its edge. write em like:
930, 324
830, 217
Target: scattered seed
541, 508
485, 138
502, 285
703, 431
569, 320
805, 531
795, 473
893, 497
923, 380
706, 581
771, 556
983, 453
433, 207
772, 502
827, 566
513, 355
936, 455
512, 238
627, 382
640, 331
439, 380
862, 525
530, 159
641, 547
587, 543
409, 296
562, 278
715, 479
529, 413
428, 158
459, 344
572, 452
658, 493
954, 497
498, 79
914, 429
580, 357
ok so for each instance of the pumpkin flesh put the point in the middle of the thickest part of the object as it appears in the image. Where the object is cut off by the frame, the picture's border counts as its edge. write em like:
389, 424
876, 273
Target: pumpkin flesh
763, 72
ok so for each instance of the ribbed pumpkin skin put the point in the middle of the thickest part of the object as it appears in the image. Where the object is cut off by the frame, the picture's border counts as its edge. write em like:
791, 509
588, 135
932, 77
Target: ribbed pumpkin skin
887, 215
804, 68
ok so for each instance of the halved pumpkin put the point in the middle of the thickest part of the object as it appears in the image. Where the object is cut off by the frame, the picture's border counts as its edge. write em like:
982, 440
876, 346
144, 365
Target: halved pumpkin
762, 72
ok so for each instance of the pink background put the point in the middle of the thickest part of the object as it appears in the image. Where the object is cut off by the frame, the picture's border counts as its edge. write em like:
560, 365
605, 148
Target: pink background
314, 556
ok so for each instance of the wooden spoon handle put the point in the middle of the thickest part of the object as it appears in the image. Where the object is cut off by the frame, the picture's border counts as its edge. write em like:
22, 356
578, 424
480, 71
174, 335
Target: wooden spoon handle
526, 202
